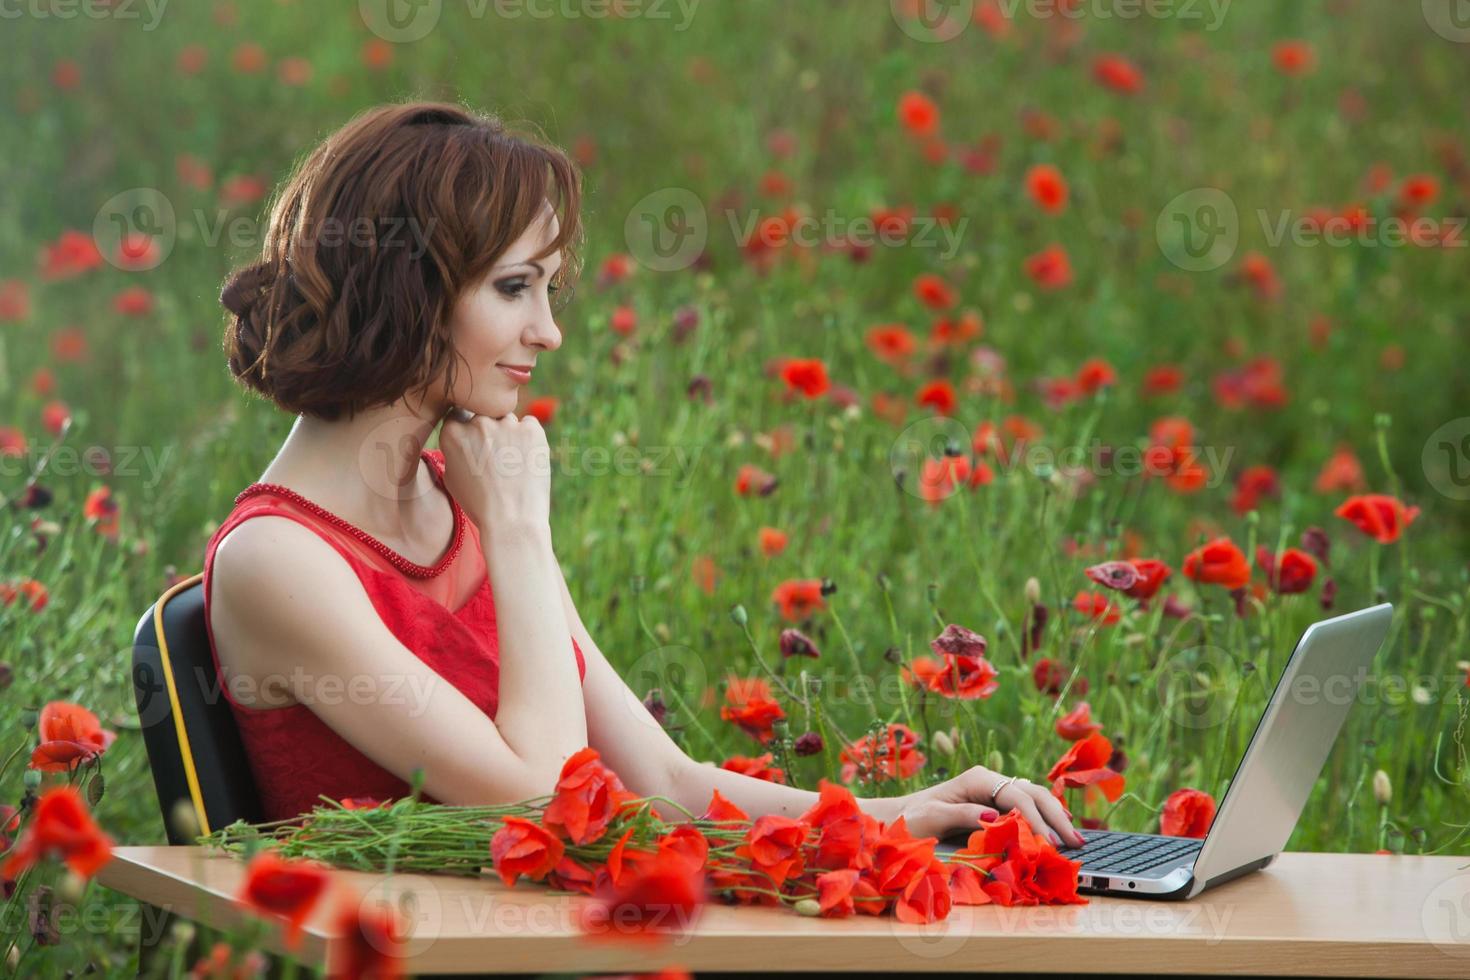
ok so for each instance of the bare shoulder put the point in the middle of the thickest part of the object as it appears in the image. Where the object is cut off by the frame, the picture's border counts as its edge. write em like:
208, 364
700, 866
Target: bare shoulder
276, 589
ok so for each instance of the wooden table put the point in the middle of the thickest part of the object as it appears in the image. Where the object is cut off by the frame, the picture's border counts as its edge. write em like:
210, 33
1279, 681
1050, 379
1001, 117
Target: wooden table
1307, 915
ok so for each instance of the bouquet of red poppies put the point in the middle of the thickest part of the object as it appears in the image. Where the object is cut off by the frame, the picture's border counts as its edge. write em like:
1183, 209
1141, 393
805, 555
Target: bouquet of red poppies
650, 875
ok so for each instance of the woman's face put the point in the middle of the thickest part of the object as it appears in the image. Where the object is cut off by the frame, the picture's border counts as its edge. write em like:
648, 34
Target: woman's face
505, 322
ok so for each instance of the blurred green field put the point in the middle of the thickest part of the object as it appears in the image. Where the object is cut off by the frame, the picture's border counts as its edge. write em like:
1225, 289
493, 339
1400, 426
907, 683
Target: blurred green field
748, 109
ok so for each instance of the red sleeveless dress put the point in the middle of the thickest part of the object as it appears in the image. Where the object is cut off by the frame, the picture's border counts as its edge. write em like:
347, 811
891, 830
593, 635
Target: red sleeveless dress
444, 613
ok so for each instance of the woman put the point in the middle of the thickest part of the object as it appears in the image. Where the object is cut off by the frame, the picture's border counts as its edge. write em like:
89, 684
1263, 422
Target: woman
407, 280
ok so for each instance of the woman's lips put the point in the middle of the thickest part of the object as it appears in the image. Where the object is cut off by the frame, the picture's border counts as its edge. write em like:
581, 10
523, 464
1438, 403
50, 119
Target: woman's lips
518, 375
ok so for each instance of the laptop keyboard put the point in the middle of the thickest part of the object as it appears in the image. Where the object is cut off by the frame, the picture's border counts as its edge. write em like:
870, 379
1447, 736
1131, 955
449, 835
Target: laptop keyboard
1113, 852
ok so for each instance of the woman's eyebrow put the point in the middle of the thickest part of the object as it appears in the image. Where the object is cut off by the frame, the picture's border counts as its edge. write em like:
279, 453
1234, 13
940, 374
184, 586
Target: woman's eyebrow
540, 269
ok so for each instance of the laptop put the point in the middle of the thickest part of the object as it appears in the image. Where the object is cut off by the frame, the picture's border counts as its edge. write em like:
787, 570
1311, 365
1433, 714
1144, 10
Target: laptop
1271, 784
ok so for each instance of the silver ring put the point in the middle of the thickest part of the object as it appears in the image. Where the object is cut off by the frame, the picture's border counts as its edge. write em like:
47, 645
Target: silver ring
1000, 786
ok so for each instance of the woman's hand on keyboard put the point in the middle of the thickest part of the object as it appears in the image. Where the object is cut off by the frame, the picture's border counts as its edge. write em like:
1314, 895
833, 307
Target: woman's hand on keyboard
965, 802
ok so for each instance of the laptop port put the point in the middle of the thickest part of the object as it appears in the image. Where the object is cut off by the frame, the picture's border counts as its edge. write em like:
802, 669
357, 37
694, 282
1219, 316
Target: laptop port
1099, 882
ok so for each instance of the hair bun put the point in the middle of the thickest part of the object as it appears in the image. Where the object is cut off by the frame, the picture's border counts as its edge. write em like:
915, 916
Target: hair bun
242, 290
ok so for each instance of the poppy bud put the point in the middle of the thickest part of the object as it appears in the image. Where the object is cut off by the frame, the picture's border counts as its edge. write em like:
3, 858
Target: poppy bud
1033, 591
1382, 788
31, 778
655, 705
808, 906
943, 744
182, 931
183, 819
808, 743
28, 718
71, 887
995, 761
1316, 543
795, 643
737, 613
1329, 593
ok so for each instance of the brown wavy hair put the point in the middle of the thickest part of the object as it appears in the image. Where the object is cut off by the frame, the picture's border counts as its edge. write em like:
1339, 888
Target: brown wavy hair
372, 240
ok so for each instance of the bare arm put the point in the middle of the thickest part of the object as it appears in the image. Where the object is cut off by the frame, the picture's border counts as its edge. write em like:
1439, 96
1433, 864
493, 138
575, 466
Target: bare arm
541, 713
309, 622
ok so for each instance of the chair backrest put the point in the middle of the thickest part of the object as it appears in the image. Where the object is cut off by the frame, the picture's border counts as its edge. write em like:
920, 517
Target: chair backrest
193, 744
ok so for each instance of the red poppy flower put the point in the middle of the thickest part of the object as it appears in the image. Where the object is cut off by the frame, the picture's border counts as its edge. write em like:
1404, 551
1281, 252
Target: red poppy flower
1163, 379
938, 395
1418, 190
1293, 57
1257, 384
918, 113
73, 253
624, 320
1095, 374
895, 755
1095, 606
368, 941
1151, 575
842, 832
774, 844
1077, 723
1050, 268
588, 796
751, 706
1050, 676
1292, 572
543, 409
1187, 813
962, 677
1047, 188
1254, 483
289, 889
524, 847
799, 598
69, 732
1342, 472
892, 342
27, 588
658, 897
133, 301
1258, 271
772, 541
1378, 515
1220, 562
1118, 73
15, 301
1023, 868
934, 292
758, 767
806, 375
1086, 764
940, 477
60, 827
752, 479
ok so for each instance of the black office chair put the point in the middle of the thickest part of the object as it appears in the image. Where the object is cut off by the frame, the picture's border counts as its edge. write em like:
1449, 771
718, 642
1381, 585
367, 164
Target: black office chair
193, 745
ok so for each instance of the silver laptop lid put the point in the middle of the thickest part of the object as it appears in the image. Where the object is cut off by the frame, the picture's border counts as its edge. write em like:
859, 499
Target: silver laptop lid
1292, 741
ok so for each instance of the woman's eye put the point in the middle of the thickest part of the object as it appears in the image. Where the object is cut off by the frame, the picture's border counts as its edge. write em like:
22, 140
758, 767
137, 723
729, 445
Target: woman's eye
513, 287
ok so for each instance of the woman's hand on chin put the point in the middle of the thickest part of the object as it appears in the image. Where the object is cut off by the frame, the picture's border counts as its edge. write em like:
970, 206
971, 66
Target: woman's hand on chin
964, 803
